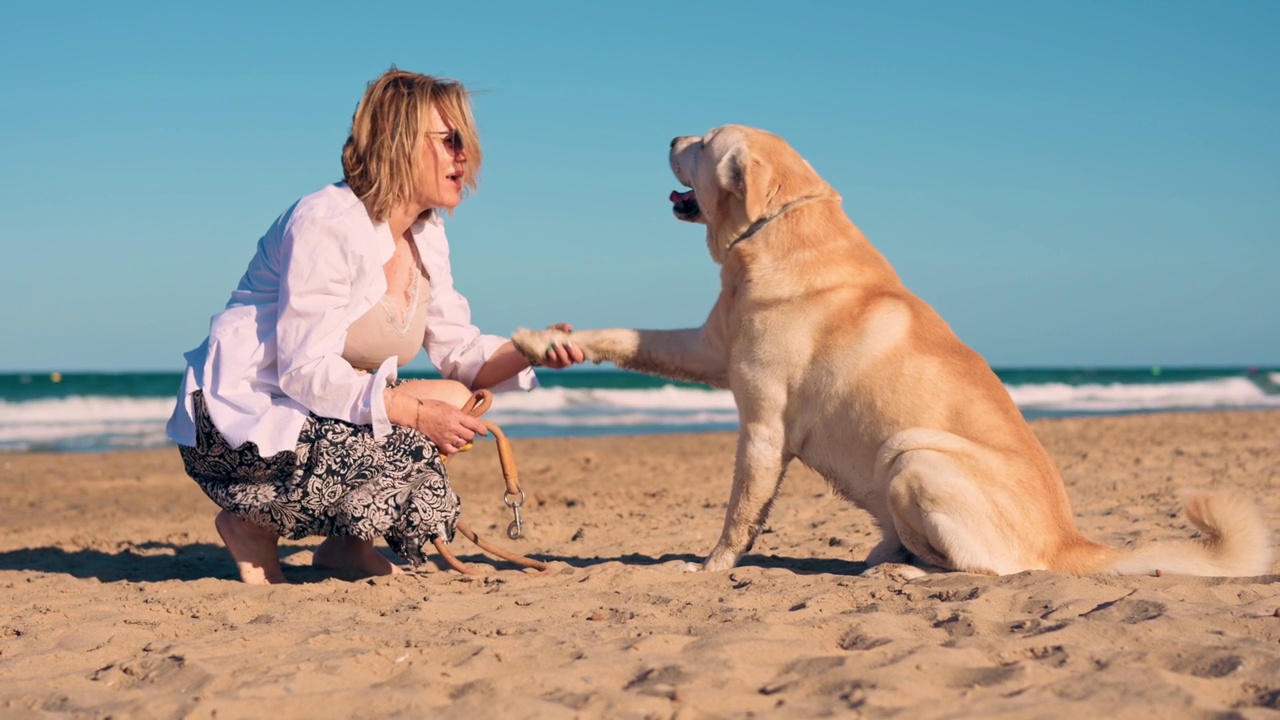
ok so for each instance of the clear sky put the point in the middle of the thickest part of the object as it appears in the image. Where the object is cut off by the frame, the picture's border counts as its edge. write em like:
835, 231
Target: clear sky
1068, 183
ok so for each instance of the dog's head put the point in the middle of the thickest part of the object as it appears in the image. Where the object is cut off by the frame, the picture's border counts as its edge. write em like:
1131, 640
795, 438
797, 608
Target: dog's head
736, 176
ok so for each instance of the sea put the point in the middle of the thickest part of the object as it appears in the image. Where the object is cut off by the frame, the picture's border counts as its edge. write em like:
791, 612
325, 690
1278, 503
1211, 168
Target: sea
74, 412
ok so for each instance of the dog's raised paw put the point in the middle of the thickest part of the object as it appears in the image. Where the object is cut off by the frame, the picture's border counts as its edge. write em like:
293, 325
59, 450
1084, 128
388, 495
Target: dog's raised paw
533, 343
537, 345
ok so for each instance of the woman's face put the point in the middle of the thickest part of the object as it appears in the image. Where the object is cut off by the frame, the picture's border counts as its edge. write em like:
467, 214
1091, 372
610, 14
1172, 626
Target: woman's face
441, 161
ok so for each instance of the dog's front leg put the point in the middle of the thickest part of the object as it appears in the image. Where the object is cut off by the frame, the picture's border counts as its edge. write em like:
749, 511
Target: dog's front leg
678, 354
757, 475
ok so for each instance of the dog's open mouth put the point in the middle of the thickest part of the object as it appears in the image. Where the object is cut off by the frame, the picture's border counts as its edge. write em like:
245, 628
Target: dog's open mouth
685, 205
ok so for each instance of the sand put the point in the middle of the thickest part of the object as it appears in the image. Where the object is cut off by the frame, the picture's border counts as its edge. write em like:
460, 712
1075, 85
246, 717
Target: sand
117, 599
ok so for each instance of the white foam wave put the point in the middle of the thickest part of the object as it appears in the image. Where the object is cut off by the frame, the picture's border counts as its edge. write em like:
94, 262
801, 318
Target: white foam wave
111, 422
84, 422
84, 409
628, 419
667, 398
1203, 394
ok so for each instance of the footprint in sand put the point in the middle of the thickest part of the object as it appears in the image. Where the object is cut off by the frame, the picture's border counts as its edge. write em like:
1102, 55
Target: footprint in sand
1127, 611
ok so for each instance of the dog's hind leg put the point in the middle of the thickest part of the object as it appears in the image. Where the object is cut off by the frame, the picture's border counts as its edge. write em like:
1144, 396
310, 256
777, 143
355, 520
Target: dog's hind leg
890, 559
890, 547
943, 518
757, 475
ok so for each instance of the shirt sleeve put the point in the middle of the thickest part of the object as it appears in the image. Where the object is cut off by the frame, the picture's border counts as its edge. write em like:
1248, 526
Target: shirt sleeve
456, 347
311, 330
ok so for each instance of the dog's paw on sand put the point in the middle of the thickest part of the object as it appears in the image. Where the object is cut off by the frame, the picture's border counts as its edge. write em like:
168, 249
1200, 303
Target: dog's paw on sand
896, 572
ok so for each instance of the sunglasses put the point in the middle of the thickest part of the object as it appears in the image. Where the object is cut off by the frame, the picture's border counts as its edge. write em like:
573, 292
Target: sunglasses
451, 139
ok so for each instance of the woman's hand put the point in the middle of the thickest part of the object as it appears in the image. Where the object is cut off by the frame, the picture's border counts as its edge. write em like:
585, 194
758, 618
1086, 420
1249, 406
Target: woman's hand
445, 425
562, 355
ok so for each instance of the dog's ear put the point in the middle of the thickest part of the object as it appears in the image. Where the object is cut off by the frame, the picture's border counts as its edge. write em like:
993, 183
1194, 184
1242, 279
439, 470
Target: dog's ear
747, 178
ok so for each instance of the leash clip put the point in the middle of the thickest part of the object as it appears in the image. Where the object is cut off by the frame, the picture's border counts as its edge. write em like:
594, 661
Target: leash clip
514, 530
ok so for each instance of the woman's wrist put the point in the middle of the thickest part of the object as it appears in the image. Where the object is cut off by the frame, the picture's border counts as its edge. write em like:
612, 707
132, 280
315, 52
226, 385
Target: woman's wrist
506, 362
402, 408
396, 407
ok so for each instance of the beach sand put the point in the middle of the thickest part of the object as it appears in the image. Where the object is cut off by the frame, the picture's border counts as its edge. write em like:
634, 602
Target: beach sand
119, 601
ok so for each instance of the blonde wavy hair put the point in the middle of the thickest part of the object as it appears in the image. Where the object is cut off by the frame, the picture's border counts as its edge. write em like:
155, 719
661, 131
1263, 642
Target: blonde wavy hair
382, 151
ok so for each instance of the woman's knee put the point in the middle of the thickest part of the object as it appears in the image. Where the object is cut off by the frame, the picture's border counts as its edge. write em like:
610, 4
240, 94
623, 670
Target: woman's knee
447, 391
450, 392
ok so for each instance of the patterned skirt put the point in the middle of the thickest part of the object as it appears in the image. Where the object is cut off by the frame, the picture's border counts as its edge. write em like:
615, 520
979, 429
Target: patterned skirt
338, 481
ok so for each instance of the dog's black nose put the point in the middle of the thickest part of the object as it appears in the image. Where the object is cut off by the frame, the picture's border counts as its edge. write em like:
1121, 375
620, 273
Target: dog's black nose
673, 141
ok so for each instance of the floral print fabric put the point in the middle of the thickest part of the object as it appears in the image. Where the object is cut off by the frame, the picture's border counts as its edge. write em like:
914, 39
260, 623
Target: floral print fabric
339, 480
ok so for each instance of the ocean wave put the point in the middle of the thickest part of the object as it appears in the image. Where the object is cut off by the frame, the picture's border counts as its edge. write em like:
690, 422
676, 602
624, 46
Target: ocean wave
105, 422
78, 408
621, 419
669, 398
1124, 397
76, 422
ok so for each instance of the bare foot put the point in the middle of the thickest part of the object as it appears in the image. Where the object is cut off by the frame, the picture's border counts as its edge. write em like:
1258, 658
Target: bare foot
353, 555
254, 549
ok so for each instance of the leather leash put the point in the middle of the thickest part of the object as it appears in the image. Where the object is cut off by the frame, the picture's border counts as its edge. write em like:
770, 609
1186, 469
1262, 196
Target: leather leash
514, 497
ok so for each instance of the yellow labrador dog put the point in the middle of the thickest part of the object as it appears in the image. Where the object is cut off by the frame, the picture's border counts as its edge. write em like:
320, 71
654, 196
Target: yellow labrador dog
833, 361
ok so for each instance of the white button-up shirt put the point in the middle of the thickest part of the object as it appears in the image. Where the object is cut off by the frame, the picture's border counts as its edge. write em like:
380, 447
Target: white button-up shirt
274, 354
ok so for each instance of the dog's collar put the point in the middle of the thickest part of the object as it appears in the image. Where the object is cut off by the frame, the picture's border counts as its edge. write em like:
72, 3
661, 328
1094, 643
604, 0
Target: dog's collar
757, 225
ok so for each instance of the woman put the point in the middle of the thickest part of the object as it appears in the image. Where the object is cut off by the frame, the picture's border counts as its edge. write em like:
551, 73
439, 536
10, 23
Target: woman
291, 417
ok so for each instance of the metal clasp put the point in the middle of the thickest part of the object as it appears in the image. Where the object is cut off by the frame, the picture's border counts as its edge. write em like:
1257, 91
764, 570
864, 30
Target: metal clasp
514, 529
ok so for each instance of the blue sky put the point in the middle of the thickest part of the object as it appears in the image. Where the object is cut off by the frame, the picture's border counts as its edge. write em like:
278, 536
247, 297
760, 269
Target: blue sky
1069, 183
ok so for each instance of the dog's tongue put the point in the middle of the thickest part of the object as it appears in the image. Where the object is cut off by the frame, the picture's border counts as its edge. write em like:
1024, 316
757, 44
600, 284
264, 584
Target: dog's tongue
677, 196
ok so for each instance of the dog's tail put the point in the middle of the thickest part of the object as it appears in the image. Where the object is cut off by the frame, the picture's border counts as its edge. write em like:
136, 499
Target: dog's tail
1234, 542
